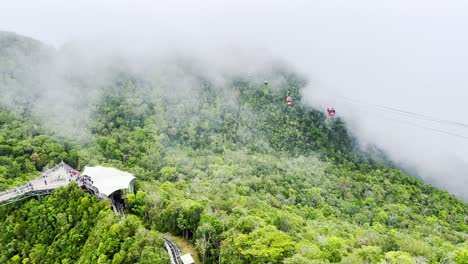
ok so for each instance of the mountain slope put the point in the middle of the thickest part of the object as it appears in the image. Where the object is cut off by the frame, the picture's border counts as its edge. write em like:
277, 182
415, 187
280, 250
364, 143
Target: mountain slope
223, 162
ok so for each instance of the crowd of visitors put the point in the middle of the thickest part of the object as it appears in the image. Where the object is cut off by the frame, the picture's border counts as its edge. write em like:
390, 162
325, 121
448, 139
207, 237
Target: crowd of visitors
60, 172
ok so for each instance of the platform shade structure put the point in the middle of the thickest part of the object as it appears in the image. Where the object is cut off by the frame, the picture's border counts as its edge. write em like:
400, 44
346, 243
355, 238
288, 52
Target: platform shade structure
109, 180
187, 259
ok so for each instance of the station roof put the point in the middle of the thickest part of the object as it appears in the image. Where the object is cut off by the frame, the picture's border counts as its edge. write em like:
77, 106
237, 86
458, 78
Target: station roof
187, 259
108, 180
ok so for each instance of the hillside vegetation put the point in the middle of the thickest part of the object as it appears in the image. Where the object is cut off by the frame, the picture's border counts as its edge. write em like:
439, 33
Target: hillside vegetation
221, 161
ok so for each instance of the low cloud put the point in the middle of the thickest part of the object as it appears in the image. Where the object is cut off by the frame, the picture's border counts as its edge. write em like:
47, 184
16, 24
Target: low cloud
406, 55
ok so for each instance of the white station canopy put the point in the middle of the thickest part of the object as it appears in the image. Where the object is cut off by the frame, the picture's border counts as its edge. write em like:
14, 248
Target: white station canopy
108, 180
187, 259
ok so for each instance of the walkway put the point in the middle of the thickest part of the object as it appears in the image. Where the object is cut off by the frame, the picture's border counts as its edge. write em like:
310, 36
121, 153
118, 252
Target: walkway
58, 176
173, 250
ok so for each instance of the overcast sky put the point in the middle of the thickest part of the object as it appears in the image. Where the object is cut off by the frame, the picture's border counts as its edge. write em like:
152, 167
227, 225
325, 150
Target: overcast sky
410, 55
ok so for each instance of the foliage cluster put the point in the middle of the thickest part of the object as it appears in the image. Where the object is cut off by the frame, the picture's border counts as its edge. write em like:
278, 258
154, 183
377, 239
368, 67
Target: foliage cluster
231, 168
26, 149
70, 226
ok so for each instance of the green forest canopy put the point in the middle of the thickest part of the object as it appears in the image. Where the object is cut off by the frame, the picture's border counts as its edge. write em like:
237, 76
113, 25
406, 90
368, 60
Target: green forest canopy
226, 165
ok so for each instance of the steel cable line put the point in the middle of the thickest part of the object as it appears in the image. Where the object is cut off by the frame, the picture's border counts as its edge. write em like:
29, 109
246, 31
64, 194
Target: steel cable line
404, 122
425, 127
406, 113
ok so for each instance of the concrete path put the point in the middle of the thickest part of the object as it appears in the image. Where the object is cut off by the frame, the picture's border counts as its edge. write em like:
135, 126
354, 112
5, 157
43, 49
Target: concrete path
58, 176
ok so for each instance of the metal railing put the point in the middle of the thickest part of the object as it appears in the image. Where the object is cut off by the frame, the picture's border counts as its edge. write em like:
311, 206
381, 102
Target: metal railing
173, 250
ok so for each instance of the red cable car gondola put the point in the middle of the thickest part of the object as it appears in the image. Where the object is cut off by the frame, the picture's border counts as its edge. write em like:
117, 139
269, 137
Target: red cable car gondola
331, 111
288, 101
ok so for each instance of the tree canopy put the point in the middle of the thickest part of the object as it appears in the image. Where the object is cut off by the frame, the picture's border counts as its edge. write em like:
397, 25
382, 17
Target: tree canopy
224, 164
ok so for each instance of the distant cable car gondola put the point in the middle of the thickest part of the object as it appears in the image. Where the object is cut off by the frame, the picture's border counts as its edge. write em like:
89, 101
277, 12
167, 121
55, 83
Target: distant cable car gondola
289, 101
331, 111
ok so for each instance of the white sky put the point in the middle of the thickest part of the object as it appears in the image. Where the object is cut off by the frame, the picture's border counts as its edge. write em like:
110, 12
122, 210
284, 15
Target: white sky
410, 55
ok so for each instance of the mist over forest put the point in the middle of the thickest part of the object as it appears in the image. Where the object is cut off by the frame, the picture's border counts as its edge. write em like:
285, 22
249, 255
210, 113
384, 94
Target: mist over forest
195, 108
395, 54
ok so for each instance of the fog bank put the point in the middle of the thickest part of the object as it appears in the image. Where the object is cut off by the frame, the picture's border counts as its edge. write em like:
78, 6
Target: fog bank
406, 55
